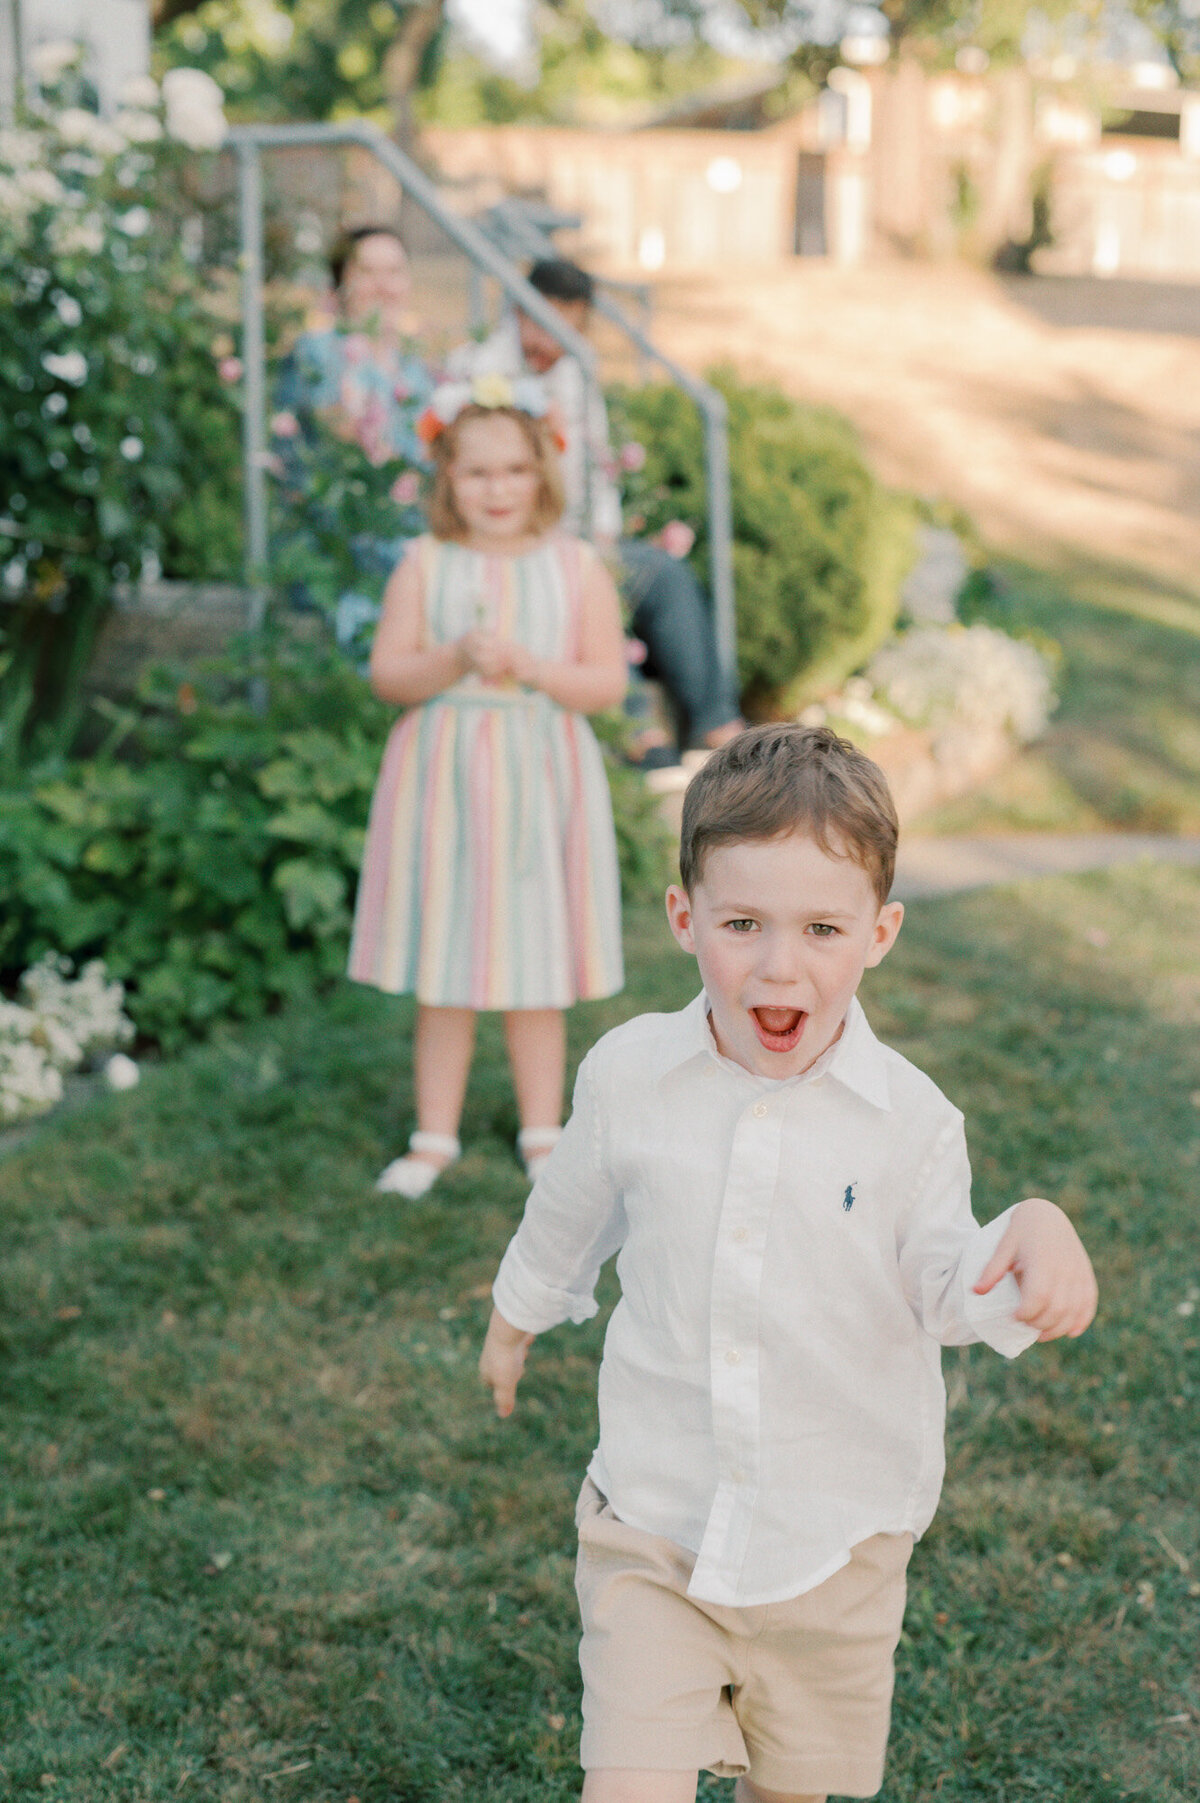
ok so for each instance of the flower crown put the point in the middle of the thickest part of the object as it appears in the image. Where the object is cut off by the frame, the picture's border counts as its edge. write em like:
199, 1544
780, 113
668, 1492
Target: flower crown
524, 393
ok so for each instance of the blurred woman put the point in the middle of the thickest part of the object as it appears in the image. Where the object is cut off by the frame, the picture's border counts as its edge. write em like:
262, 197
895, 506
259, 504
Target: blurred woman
362, 378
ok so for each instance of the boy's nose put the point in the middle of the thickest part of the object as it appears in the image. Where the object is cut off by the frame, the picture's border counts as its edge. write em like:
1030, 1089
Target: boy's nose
781, 961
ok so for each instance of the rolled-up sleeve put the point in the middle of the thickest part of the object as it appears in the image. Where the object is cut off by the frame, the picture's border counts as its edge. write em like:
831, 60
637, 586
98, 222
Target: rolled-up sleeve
574, 1221
943, 1251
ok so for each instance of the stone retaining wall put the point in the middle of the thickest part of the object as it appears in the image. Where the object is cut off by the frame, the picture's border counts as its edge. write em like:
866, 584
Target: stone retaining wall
165, 621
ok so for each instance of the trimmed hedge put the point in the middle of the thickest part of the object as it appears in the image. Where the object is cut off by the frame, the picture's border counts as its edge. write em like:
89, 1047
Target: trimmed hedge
821, 548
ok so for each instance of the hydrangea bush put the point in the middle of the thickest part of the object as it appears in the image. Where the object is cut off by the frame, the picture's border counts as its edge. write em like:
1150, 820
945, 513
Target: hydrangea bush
106, 370
59, 1022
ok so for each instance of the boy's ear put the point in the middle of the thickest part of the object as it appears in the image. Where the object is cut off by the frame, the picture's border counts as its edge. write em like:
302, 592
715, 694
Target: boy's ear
887, 925
679, 917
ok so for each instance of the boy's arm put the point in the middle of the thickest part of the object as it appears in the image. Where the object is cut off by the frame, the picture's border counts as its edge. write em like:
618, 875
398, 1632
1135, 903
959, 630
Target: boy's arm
574, 1221
502, 1361
1023, 1277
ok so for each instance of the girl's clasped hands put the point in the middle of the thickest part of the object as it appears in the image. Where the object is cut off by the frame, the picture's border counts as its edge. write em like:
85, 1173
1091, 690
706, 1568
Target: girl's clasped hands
497, 659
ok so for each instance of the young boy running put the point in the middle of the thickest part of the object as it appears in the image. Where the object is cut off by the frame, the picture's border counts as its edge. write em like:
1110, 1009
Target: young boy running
789, 1204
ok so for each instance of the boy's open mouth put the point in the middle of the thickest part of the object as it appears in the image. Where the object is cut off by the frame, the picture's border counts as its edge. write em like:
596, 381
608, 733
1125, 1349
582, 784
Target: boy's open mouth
779, 1029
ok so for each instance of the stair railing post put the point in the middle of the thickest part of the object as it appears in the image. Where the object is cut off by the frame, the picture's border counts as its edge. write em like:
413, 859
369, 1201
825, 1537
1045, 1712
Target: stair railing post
720, 533
254, 377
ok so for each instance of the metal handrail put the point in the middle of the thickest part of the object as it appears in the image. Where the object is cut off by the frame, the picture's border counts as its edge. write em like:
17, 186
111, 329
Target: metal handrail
249, 142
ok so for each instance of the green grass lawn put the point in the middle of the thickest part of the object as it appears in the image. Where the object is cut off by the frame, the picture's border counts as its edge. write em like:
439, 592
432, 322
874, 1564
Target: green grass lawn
263, 1538
1123, 750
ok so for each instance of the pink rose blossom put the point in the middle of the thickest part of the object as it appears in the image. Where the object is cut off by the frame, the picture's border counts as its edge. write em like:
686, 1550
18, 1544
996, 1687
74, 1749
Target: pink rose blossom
635, 652
369, 429
285, 425
633, 457
230, 369
677, 538
406, 489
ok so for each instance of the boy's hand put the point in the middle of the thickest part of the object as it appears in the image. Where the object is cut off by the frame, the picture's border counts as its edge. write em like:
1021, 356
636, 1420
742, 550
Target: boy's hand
502, 1361
1054, 1273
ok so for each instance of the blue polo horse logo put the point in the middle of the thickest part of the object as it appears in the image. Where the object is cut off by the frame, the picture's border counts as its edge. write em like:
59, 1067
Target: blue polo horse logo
848, 1199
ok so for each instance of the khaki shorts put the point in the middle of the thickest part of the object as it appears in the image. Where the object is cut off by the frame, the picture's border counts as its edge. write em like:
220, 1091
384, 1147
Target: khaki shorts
797, 1694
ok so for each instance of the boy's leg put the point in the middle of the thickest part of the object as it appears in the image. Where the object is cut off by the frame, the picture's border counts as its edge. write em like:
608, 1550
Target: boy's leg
616, 1786
746, 1791
672, 1787
537, 1053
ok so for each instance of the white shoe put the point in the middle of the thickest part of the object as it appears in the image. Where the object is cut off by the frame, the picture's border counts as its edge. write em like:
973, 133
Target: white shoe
412, 1176
535, 1145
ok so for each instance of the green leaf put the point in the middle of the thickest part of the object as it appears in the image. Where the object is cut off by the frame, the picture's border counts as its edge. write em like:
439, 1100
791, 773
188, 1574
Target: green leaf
313, 894
307, 823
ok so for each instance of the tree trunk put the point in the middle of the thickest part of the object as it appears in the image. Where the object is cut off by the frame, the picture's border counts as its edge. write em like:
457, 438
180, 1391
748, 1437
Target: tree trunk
419, 22
165, 12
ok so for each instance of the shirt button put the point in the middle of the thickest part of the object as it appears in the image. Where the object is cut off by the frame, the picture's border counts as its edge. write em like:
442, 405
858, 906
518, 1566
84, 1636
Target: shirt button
741, 1235
733, 1356
760, 1108
738, 1475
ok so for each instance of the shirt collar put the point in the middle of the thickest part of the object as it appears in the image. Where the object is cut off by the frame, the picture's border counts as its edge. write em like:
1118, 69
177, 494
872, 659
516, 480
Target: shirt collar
857, 1060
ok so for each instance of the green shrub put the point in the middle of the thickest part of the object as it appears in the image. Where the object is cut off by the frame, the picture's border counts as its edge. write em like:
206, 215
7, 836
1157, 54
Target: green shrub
821, 548
209, 853
115, 415
212, 863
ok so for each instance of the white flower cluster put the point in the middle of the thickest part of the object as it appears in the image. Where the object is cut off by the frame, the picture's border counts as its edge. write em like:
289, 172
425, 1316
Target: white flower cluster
41, 167
964, 675
60, 1023
194, 105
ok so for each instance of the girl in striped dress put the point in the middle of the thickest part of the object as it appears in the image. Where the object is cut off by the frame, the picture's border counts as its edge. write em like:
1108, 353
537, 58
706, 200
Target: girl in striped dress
490, 871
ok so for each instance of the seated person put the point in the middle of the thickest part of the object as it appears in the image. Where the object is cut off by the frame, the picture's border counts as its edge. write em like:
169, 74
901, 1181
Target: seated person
668, 609
361, 377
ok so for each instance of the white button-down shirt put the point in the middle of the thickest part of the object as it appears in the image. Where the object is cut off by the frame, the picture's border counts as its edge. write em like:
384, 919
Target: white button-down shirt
792, 1254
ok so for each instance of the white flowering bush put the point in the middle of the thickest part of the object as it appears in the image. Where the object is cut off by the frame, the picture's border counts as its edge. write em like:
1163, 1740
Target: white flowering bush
106, 369
59, 1023
965, 675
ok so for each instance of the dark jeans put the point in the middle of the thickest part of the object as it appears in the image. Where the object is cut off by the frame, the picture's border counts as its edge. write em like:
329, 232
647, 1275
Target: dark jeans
671, 617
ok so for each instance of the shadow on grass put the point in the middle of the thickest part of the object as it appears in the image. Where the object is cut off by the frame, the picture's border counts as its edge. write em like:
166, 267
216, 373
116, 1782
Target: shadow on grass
262, 1537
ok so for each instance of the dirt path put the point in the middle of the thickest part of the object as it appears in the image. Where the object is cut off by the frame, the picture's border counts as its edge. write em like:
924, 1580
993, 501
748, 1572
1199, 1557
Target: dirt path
927, 867
1034, 404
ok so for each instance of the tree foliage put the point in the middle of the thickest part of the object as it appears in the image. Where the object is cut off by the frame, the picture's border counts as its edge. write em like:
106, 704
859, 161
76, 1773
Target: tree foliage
308, 59
586, 74
393, 59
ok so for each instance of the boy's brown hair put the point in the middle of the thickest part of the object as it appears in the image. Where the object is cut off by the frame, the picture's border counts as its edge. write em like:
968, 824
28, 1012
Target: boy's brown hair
779, 779
446, 522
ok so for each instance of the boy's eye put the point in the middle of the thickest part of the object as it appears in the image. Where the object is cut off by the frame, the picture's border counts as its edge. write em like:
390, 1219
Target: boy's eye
741, 925
822, 929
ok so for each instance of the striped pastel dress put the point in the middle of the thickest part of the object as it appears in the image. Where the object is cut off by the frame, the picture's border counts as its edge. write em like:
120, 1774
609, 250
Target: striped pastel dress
490, 877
